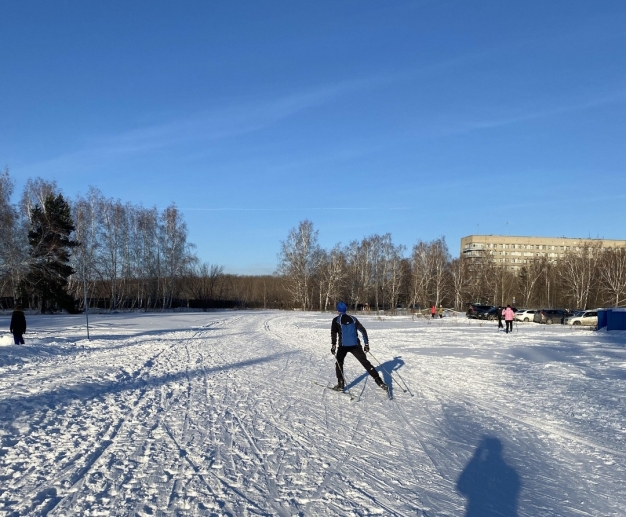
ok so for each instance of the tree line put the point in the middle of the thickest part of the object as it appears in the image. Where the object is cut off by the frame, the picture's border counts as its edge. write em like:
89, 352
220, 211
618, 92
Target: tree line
377, 274
99, 252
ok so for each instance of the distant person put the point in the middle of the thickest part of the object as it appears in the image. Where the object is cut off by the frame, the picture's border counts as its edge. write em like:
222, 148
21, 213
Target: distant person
343, 331
500, 314
440, 311
433, 311
509, 316
18, 325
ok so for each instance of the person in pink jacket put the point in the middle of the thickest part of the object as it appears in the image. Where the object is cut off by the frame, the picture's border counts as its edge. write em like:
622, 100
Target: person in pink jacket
509, 316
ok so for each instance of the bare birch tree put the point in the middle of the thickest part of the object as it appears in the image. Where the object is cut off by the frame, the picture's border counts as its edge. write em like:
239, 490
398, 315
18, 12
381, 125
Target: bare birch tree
530, 279
332, 275
298, 261
36, 191
395, 272
438, 259
358, 263
460, 282
177, 256
420, 274
578, 273
613, 276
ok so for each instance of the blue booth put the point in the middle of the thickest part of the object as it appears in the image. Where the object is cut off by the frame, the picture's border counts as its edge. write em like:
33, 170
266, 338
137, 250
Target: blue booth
612, 319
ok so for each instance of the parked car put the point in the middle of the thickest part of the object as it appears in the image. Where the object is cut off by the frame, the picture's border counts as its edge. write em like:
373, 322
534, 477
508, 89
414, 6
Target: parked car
491, 314
549, 316
525, 314
476, 311
589, 318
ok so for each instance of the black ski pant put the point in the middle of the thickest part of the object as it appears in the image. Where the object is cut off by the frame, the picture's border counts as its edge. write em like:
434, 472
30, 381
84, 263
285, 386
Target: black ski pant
19, 340
509, 326
356, 351
500, 326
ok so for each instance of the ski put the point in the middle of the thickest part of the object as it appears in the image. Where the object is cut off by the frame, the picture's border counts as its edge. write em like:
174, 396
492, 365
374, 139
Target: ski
332, 388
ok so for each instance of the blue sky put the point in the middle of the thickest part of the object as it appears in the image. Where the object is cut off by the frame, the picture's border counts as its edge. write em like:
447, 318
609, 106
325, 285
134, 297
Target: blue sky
418, 118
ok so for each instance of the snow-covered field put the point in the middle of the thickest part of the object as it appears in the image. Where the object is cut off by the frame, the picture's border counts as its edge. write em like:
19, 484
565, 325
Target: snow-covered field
217, 414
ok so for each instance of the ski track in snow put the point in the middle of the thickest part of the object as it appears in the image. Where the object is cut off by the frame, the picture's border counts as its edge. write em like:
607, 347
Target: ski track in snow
217, 414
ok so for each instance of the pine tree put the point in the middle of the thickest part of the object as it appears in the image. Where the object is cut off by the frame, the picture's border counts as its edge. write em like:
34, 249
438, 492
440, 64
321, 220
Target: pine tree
50, 244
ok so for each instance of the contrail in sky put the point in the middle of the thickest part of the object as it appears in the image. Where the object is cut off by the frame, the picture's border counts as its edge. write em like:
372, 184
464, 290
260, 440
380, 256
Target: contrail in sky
285, 209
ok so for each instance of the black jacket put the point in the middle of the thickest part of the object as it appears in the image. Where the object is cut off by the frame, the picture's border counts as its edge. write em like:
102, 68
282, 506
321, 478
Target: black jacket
335, 328
18, 323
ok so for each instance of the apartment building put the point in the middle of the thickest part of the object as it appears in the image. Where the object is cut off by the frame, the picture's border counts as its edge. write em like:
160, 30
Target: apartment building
515, 252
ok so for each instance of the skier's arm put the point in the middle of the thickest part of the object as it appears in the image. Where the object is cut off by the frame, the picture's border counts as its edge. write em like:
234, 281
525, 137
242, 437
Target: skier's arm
334, 329
362, 330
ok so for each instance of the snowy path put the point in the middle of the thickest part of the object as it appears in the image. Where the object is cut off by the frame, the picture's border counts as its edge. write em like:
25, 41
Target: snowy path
217, 414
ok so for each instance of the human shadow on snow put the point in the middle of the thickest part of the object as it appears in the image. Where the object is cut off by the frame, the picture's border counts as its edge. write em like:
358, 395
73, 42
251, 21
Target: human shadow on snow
490, 485
12, 407
385, 370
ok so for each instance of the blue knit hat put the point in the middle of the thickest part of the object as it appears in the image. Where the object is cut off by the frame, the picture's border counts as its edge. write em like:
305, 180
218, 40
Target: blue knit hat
341, 307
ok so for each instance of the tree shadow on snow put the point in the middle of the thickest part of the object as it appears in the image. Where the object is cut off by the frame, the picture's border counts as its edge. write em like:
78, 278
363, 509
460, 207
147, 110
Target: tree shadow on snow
41, 345
12, 407
597, 362
490, 485
385, 370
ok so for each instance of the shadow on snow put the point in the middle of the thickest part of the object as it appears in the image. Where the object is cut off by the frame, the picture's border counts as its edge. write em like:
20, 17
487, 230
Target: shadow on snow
385, 370
10, 408
490, 485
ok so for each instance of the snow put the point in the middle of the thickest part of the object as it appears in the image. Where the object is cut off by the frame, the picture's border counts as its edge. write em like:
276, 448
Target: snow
217, 414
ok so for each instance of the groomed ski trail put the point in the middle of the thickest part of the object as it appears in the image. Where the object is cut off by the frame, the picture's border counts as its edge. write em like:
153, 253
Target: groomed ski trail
218, 414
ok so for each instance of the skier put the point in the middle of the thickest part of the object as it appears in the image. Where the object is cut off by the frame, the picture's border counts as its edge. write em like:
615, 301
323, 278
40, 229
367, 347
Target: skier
433, 311
500, 313
346, 326
18, 325
440, 311
509, 315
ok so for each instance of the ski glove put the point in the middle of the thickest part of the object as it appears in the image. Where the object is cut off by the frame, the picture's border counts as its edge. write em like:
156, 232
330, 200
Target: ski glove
332, 350
366, 347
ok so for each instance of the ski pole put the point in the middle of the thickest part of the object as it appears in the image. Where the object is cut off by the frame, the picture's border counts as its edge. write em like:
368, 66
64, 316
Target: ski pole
390, 374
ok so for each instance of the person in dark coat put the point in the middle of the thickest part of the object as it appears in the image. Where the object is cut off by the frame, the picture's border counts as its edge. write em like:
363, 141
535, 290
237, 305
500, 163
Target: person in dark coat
18, 325
499, 311
343, 330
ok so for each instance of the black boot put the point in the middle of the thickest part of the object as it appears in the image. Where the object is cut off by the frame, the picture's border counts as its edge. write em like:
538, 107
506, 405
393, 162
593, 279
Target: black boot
381, 384
340, 386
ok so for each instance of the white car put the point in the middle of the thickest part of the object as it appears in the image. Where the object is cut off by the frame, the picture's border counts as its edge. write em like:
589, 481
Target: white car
525, 315
587, 318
